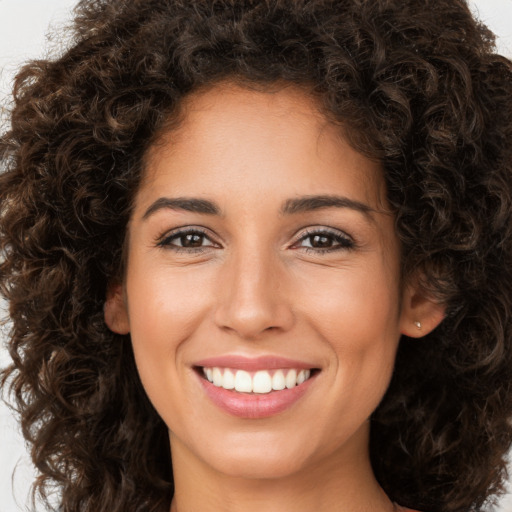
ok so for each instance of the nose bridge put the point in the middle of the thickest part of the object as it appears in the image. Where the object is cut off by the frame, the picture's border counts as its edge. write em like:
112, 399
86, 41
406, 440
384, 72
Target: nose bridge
252, 298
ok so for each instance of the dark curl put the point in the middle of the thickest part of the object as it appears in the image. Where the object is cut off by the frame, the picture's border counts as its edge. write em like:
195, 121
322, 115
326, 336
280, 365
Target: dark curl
414, 83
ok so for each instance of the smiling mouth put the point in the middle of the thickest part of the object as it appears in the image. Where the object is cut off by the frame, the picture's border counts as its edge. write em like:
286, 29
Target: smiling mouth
258, 382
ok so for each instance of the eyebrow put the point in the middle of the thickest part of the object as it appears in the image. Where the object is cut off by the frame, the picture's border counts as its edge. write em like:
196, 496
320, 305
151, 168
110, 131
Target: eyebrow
188, 204
309, 203
290, 206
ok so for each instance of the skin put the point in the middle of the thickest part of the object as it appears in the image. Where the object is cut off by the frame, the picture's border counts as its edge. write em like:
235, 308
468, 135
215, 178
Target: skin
256, 284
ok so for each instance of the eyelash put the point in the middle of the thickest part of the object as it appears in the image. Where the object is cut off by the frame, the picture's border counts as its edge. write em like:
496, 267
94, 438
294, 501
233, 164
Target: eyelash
344, 241
165, 241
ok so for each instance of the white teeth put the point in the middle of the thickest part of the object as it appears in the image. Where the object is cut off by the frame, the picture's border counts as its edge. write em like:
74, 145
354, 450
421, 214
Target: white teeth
260, 382
243, 381
217, 377
291, 379
278, 381
229, 380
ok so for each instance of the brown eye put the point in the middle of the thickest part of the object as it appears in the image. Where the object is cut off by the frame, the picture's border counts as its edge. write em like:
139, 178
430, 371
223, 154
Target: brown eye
321, 241
193, 240
325, 241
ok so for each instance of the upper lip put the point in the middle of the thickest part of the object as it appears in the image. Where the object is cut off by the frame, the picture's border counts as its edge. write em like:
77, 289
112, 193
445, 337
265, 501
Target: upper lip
267, 362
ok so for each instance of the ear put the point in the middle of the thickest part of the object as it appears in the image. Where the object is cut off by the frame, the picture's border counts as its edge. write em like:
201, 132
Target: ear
421, 313
115, 310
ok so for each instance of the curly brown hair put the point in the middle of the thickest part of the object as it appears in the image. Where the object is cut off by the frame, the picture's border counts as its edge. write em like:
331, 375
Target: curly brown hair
419, 87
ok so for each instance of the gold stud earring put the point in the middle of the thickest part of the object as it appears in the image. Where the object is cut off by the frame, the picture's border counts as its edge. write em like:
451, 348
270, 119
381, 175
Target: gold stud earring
418, 325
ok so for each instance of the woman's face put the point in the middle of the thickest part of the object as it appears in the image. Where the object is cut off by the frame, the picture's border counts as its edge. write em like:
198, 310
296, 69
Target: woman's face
261, 246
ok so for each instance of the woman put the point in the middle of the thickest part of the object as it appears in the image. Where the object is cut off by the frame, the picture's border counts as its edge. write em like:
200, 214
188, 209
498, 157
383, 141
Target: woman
258, 257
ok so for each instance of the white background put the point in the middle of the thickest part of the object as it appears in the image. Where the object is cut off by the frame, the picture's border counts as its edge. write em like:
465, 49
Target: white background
23, 28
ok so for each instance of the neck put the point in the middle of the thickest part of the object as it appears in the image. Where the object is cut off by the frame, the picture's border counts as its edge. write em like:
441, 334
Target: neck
341, 481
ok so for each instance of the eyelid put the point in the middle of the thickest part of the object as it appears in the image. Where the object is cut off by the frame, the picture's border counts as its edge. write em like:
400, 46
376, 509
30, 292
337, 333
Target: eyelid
315, 230
161, 241
324, 230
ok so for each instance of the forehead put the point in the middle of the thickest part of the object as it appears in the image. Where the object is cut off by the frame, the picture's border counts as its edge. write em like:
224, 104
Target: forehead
230, 135
211, 113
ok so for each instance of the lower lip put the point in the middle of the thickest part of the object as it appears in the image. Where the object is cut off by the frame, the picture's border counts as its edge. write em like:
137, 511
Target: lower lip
254, 405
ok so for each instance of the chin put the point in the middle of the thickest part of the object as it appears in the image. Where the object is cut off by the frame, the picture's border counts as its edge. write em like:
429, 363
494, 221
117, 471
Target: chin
257, 457
258, 467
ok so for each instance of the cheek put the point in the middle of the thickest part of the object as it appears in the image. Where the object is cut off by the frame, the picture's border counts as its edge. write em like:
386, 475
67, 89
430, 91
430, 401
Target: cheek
356, 315
166, 300
354, 308
165, 307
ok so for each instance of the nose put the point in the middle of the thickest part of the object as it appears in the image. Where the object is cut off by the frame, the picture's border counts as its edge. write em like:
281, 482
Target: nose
252, 299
